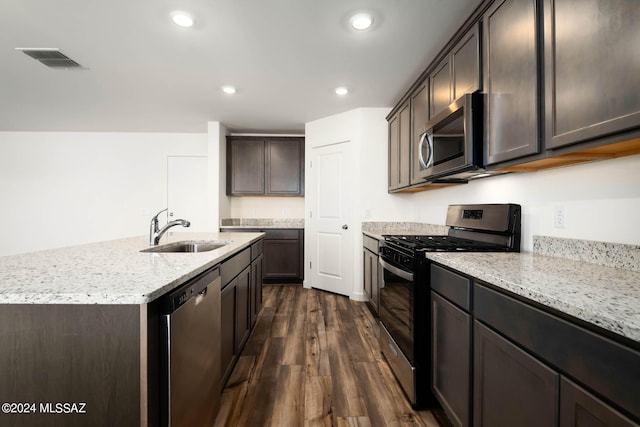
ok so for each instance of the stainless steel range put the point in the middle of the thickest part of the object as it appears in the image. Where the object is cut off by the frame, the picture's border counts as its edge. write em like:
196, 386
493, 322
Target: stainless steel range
405, 308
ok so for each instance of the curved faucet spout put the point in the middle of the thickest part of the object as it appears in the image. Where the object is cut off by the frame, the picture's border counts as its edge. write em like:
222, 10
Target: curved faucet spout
155, 234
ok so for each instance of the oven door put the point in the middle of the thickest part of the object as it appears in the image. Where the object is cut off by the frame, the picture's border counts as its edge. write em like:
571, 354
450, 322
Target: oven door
397, 300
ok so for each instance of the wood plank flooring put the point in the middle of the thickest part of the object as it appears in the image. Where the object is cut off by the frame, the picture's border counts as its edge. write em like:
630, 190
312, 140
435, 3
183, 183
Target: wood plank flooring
313, 360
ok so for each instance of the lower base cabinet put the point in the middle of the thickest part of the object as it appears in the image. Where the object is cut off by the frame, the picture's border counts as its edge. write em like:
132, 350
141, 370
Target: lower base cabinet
370, 272
241, 301
579, 408
530, 367
451, 347
511, 387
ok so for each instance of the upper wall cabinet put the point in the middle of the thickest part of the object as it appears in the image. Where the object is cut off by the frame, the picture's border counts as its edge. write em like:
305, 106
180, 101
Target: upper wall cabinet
511, 82
592, 69
265, 166
419, 117
458, 73
399, 145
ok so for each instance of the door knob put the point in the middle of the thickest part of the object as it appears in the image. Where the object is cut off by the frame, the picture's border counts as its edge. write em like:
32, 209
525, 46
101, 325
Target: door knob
345, 226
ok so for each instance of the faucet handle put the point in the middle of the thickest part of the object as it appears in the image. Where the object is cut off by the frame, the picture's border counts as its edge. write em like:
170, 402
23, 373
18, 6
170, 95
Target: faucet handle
155, 217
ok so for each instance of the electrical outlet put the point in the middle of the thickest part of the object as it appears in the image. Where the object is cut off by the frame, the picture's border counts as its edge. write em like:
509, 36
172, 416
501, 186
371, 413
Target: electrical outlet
559, 217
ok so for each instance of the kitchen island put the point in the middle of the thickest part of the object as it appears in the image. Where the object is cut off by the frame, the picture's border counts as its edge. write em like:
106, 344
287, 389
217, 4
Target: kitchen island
80, 329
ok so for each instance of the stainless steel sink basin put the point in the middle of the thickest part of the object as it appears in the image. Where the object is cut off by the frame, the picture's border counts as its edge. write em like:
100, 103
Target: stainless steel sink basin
187, 246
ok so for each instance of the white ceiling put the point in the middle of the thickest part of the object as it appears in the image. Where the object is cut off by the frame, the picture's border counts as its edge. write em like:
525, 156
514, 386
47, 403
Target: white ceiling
144, 74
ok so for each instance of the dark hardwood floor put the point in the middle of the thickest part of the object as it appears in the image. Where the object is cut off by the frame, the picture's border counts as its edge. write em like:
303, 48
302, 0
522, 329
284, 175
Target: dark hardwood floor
313, 360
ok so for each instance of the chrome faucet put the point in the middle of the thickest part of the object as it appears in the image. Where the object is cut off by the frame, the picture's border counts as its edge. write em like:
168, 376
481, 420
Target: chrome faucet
155, 234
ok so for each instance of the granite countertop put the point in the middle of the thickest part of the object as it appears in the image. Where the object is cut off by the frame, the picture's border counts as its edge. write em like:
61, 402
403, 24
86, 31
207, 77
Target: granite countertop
604, 296
112, 272
597, 282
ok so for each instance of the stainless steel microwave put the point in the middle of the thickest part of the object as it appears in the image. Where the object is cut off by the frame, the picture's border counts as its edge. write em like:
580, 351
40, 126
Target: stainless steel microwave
450, 148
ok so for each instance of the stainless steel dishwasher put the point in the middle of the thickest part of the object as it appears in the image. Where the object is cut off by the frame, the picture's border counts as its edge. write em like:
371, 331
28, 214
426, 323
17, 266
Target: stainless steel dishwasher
191, 357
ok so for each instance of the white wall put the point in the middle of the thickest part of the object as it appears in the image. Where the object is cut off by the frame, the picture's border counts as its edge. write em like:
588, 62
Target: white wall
267, 207
59, 189
219, 202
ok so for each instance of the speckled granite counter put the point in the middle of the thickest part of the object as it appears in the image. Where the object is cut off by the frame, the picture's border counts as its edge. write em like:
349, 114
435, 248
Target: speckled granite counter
604, 296
261, 223
112, 272
596, 282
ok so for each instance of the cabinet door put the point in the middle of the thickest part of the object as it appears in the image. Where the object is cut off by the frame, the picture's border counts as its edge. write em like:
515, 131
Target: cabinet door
366, 273
256, 288
243, 320
227, 329
285, 166
399, 148
451, 356
394, 152
419, 117
592, 73
579, 408
465, 64
281, 259
440, 87
245, 167
371, 278
511, 388
511, 80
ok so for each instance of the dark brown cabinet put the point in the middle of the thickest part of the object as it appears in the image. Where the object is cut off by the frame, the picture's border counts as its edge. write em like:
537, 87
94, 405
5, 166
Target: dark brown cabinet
283, 253
370, 272
399, 148
465, 64
451, 351
451, 358
440, 87
579, 408
458, 73
243, 319
283, 257
266, 166
256, 281
592, 74
419, 117
227, 330
236, 308
500, 361
511, 80
511, 387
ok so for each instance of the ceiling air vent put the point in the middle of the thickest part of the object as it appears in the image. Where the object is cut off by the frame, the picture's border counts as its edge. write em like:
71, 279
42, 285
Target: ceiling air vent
51, 57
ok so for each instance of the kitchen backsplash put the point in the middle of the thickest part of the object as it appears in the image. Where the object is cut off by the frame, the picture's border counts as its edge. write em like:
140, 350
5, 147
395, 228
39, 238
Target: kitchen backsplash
263, 222
403, 228
616, 255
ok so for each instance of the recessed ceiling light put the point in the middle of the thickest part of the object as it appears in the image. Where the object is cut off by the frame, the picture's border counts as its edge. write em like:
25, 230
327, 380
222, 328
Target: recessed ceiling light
182, 19
361, 21
342, 91
230, 90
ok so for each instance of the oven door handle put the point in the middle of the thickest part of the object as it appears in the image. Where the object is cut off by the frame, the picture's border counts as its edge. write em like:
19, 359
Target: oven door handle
395, 270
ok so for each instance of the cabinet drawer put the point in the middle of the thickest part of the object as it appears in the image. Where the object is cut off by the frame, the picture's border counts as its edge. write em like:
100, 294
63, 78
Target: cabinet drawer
593, 360
282, 234
370, 243
256, 249
234, 265
451, 285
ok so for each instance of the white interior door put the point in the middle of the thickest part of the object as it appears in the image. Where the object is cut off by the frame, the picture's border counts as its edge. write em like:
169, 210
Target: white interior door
331, 218
187, 191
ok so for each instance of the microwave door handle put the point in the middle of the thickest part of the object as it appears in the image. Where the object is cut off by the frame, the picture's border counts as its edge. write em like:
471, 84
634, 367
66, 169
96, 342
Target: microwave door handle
429, 162
423, 164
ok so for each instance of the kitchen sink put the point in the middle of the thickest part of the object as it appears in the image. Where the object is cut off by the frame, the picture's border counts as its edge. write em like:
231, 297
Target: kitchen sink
187, 246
